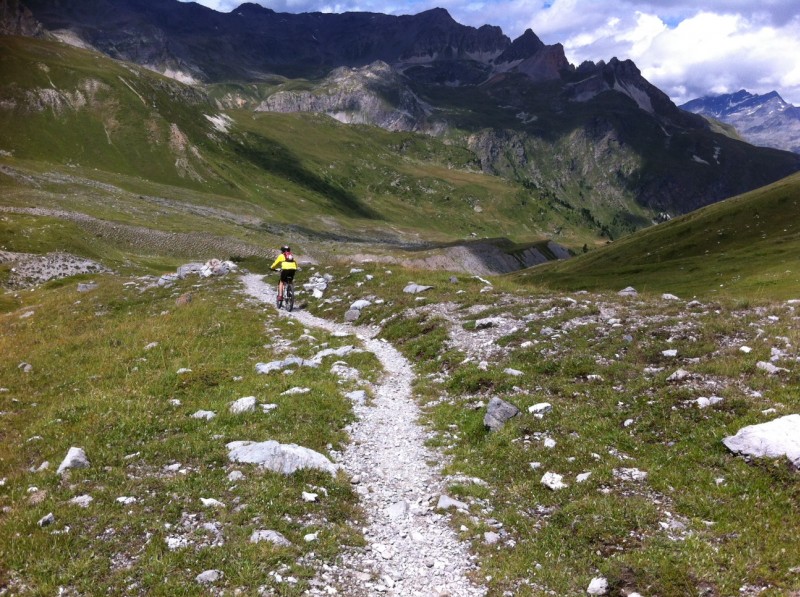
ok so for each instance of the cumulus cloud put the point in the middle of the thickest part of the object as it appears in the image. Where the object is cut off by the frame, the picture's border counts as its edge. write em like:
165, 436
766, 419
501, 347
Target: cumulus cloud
685, 47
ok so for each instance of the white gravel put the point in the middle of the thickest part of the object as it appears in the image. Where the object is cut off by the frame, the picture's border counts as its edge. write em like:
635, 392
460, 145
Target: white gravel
412, 550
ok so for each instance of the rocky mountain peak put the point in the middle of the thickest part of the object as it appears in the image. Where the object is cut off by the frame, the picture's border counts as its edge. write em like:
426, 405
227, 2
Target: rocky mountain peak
525, 46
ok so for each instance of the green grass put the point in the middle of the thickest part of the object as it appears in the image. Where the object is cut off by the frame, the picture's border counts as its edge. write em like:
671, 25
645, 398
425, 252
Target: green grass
96, 385
593, 375
742, 247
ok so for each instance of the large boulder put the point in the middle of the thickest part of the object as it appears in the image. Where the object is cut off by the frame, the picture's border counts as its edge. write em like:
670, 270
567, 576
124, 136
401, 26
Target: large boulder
281, 458
498, 412
777, 438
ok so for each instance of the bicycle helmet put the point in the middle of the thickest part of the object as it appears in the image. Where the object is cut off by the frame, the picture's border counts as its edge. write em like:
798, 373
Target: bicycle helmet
285, 249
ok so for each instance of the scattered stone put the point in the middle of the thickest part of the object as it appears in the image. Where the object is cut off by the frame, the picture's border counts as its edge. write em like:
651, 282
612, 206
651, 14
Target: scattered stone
266, 408
669, 297
75, 458
183, 299
46, 520
780, 437
271, 536
208, 577
309, 497
598, 586
704, 402
25, 367
446, 502
413, 288
770, 368
243, 405
513, 372
211, 503
282, 458
398, 510
358, 397
745, 349
360, 305
310, 537
235, 476
629, 291
151, 346
87, 286
293, 391
498, 413
670, 353
582, 477
352, 315
204, 414
490, 538
679, 375
126, 500
629, 474
540, 409
183, 370
82, 500
553, 481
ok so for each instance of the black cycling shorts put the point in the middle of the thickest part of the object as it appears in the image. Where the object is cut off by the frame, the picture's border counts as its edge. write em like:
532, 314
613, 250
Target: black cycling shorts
287, 275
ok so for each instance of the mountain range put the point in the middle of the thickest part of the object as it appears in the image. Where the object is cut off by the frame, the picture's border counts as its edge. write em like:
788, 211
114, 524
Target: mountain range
596, 143
765, 120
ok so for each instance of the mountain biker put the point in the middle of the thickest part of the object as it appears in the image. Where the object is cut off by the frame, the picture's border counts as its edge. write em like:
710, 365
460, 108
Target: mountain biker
286, 264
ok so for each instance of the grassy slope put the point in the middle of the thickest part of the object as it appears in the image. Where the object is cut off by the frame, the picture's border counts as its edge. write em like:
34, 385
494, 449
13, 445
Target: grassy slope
88, 134
746, 246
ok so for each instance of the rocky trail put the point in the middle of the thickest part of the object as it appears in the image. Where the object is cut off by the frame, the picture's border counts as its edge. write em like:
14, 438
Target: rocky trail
411, 548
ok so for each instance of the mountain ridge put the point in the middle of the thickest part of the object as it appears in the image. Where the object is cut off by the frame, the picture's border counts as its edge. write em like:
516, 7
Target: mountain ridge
766, 120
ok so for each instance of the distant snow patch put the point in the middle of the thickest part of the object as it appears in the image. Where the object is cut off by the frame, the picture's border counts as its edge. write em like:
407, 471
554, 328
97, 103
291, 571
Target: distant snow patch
221, 122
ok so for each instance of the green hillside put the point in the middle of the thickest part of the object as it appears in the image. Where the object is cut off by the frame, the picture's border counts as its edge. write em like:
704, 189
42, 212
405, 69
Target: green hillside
116, 142
745, 246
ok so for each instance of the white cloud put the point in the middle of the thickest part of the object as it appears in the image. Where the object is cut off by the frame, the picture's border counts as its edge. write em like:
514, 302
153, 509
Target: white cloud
685, 47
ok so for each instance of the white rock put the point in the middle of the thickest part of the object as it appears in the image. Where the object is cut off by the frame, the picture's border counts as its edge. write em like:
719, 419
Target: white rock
293, 391
46, 520
310, 537
553, 481
598, 586
413, 288
629, 474
535, 465
670, 353
208, 577
679, 375
151, 346
669, 297
397, 510
243, 405
581, 478
183, 370
126, 500
211, 503
513, 372
271, 536
549, 442
176, 542
745, 349
235, 476
204, 414
309, 497
268, 407
770, 368
75, 458
780, 437
704, 402
446, 502
629, 291
82, 500
490, 538
540, 408
360, 304
282, 458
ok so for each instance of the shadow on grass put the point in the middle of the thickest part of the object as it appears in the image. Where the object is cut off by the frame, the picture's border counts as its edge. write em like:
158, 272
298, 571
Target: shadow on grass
277, 159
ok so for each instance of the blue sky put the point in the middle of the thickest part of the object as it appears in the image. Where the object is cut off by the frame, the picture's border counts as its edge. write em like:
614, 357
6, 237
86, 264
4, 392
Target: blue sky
687, 48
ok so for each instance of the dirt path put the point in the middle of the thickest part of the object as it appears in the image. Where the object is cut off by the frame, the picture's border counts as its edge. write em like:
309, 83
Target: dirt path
412, 550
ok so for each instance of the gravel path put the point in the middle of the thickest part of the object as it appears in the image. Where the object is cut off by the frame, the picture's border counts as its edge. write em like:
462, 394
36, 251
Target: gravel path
412, 550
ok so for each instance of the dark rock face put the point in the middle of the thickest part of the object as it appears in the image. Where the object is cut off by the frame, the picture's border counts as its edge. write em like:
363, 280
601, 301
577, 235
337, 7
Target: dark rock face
16, 19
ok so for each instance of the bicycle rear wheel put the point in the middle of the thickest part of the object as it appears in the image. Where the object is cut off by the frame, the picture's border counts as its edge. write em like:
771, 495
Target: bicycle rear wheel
289, 298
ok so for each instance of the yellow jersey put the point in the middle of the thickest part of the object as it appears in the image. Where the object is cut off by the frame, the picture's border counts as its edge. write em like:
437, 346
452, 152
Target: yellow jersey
283, 263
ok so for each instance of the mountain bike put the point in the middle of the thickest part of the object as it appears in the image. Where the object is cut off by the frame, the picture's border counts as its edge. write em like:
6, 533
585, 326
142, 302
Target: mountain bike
288, 296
